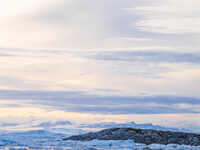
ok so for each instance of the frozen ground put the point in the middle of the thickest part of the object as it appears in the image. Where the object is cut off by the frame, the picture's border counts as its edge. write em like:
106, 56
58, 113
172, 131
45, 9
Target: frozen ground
51, 138
93, 145
40, 139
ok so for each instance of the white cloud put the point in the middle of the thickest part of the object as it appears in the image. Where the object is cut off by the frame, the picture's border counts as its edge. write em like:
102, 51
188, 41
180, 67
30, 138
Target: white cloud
75, 24
66, 23
50, 31
27, 117
171, 25
60, 70
171, 17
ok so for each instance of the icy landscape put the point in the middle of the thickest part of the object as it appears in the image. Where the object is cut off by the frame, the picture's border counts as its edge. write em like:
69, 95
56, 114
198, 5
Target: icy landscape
100, 75
51, 135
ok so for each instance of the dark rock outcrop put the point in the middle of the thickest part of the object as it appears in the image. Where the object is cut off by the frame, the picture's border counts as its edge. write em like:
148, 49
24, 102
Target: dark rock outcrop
145, 136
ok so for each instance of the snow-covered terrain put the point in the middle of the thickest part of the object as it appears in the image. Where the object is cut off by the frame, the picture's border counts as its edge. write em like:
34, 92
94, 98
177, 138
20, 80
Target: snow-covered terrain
50, 136
48, 143
106, 125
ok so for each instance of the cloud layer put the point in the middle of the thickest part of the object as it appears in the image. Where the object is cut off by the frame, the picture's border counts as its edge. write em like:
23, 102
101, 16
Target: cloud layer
111, 57
82, 102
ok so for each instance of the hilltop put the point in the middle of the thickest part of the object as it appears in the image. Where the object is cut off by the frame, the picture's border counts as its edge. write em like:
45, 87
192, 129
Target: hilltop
146, 136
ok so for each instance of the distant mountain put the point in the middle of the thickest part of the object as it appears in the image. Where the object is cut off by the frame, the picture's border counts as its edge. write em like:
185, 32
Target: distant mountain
32, 137
67, 131
105, 125
53, 124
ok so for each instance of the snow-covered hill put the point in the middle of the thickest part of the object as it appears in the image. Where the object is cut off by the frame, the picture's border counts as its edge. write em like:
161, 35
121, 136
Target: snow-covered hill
105, 125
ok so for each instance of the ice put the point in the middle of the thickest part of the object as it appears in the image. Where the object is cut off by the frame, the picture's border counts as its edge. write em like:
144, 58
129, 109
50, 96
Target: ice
101, 145
52, 140
130, 145
108, 144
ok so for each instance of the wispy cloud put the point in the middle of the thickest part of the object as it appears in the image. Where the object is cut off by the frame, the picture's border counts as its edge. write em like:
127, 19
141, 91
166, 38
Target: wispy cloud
77, 101
148, 56
113, 57
170, 17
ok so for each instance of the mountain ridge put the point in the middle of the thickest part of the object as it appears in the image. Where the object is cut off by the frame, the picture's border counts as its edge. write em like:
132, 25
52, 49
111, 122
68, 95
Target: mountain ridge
145, 136
106, 125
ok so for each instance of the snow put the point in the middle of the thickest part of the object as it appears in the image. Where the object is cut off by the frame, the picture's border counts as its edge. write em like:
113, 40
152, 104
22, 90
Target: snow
51, 138
47, 140
104, 125
130, 145
127, 144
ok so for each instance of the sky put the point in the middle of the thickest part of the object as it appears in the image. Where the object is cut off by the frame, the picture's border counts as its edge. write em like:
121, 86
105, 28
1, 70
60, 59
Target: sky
108, 60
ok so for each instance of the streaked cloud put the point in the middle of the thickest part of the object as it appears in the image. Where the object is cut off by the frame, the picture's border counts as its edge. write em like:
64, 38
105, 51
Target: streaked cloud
148, 56
77, 101
171, 17
23, 118
132, 72
91, 59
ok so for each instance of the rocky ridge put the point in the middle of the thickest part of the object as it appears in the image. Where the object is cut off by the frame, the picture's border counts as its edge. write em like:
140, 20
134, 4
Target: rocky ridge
145, 136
